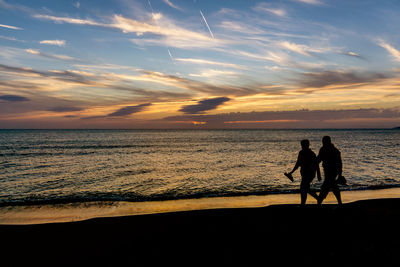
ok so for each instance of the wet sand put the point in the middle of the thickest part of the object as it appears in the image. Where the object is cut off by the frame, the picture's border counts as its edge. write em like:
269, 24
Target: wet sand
364, 232
78, 211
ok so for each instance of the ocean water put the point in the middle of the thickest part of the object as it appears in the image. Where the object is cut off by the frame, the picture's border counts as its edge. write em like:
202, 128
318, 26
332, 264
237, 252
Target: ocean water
59, 166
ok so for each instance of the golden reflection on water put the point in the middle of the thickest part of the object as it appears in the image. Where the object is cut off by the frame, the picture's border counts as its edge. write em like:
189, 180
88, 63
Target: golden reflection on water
82, 211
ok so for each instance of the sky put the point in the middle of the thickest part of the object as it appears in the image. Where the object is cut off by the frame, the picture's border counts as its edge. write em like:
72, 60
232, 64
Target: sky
197, 64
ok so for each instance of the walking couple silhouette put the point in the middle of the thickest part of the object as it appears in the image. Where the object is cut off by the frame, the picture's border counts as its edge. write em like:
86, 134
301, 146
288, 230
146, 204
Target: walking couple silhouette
308, 162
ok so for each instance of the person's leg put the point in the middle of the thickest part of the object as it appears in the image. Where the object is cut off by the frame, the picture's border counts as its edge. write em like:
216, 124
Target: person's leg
336, 192
324, 192
307, 186
303, 192
313, 193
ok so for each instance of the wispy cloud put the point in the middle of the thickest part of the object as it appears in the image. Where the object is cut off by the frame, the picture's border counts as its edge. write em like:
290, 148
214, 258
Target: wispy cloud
209, 62
205, 21
11, 39
235, 26
10, 27
17, 7
53, 80
277, 57
311, 2
352, 54
53, 42
50, 56
168, 2
392, 50
206, 88
325, 78
69, 20
301, 49
204, 105
208, 73
167, 30
264, 7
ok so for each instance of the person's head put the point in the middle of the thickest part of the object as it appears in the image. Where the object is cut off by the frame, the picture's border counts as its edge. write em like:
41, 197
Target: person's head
305, 144
326, 140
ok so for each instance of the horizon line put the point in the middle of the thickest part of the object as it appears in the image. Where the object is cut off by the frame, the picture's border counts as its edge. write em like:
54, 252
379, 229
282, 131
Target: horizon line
180, 129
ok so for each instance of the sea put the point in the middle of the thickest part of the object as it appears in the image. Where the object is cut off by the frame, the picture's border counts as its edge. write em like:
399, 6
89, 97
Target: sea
66, 166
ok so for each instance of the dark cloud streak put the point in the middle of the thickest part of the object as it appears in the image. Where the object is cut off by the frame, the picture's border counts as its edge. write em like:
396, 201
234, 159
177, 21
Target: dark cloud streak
122, 112
65, 109
325, 78
13, 98
204, 105
295, 115
129, 110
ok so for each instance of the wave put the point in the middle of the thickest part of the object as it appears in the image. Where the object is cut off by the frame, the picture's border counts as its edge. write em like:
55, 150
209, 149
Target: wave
171, 195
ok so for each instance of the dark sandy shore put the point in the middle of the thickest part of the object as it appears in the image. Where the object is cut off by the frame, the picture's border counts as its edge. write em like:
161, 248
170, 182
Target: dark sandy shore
359, 233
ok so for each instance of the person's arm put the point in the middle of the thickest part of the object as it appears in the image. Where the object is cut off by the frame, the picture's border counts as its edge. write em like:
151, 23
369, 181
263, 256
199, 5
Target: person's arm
318, 172
318, 160
339, 164
297, 164
319, 157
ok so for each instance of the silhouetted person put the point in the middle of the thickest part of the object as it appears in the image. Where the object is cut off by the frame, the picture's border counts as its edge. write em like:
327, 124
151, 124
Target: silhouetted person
307, 161
332, 164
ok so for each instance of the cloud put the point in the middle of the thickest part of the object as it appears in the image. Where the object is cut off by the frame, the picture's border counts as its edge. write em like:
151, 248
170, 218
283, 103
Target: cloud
204, 105
168, 2
11, 39
306, 49
300, 49
280, 58
40, 80
69, 20
129, 110
17, 7
13, 98
10, 27
128, 25
311, 2
53, 42
62, 109
352, 54
65, 75
166, 30
298, 118
393, 51
239, 27
264, 7
50, 56
207, 88
325, 78
213, 73
209, 62
125, 111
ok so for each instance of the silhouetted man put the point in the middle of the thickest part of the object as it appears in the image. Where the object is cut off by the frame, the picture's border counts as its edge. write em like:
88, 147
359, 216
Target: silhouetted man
307, 161
332, 164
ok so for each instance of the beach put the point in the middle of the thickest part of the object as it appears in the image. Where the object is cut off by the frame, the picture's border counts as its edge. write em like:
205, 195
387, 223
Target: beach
359, 232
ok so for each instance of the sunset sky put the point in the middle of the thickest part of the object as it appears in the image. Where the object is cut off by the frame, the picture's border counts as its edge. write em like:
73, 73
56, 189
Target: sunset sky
199, 64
